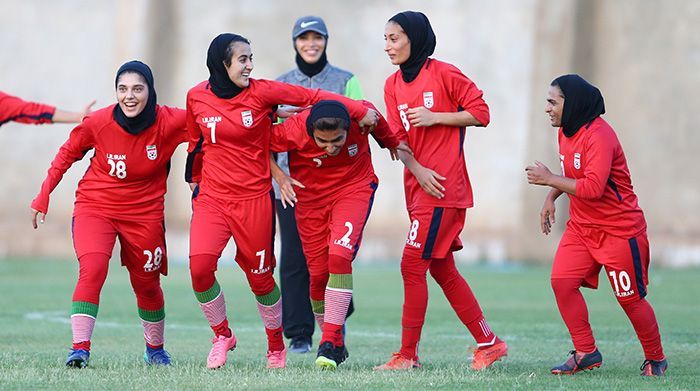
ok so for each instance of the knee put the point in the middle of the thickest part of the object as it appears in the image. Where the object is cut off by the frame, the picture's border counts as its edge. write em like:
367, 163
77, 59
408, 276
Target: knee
93, 268
413, 271
562, 286
261, 284
631, 304
443, 273
339, 265
148, 288
202, 268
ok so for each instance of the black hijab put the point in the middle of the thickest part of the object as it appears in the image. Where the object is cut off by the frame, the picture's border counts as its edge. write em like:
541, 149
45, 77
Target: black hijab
147, 117
327, 109
583, 103
417, 27
221, 84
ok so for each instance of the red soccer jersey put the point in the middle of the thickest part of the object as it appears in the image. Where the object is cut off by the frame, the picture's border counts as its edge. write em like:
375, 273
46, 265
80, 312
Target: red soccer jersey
323, 175
604, 196
440, 87
127, 175
234, 134
15, 109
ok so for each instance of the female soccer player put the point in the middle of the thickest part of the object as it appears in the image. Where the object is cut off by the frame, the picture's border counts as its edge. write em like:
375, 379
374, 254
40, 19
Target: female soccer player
229, 120
120, 196
310, 38
429, 103
330, 153
15, 109
606, 225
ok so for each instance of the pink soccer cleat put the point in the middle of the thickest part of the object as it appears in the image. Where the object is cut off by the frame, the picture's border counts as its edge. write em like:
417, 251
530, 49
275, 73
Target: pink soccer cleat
221, 346
277, 359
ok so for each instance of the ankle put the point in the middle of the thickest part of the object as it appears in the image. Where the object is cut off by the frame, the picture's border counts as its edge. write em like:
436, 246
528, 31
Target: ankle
84, 345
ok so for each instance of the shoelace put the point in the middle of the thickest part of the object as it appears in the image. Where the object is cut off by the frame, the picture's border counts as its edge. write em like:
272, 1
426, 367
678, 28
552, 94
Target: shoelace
645, 364
573, 352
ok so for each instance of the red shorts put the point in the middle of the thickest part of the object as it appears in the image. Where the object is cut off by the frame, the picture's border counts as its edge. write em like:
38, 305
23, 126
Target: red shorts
249, 222
334, 228
142, 242
434, 232
582, 253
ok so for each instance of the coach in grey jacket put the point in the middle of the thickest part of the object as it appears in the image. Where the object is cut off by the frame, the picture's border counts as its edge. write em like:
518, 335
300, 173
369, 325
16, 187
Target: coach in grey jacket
310, 37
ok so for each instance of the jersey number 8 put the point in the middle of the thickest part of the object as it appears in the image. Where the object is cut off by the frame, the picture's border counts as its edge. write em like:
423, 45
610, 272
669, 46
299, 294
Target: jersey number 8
404, 120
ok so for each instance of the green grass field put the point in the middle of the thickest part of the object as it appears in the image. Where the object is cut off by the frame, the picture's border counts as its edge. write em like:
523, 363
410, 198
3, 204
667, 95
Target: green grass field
35, 335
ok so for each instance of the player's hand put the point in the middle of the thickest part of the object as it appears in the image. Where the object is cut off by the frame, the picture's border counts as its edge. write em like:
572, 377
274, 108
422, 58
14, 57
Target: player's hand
547, 215
429, 180
369, 121
36, 215
538, 174
193, 185
288, 111
420, 116
87, 109
394, 152
287, 194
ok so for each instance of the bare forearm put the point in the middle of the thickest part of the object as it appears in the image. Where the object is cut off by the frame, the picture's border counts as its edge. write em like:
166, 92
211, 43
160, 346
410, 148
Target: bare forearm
61, 116
561, 184
554, 194
275, 170
459, 119
408, 160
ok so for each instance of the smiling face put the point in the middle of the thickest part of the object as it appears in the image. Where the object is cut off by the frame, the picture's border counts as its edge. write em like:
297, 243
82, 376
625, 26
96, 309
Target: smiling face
132, 93
397, 45
331, 141
555, 105
240, 64
310, 46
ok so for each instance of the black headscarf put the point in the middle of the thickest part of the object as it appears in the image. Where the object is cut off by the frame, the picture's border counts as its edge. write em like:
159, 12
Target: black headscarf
221, 84
417, 27
583, 103
147, 117
326, 109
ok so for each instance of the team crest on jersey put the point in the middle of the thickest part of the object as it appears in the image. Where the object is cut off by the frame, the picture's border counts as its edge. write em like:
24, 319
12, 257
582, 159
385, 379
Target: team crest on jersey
352, 150
151, 152
428, 101
247, 117
577, 161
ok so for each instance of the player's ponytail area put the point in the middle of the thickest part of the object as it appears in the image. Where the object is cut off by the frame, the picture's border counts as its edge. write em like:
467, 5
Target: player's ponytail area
35, 334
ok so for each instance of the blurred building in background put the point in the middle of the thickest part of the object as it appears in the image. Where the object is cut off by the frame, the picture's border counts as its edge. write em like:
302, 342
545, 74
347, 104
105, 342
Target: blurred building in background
644, 56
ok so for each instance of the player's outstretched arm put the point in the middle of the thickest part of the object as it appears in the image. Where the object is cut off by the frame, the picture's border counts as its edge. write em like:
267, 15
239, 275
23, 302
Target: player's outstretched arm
62, 116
